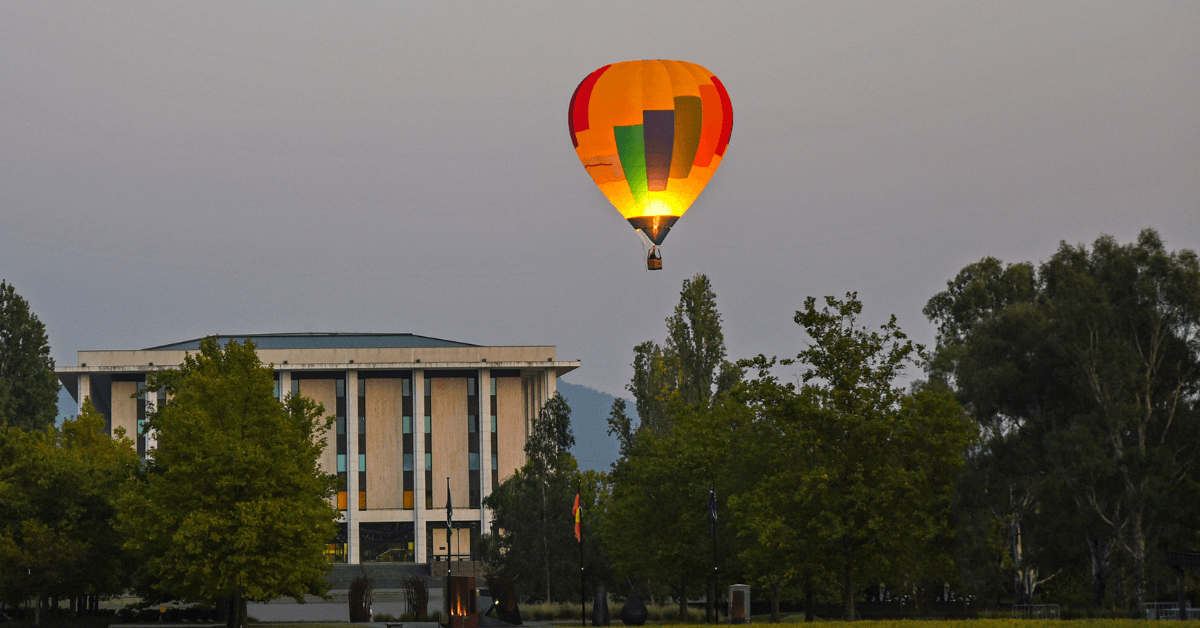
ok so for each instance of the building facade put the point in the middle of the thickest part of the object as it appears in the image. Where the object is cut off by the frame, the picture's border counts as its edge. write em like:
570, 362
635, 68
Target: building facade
417, 420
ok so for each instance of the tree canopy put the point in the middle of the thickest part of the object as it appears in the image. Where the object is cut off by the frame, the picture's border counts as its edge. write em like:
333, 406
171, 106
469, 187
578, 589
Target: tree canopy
1083, 373
58, 489
28, 386
232, 504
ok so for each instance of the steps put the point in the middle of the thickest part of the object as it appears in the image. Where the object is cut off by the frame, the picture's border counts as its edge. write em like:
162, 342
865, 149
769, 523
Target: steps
382, 575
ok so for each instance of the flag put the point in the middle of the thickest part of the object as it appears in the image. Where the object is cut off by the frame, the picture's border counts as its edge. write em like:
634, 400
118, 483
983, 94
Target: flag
712, 510
449, 518
578, 528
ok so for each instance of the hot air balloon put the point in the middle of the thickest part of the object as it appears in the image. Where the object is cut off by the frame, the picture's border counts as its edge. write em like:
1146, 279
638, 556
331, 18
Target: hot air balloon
651, 134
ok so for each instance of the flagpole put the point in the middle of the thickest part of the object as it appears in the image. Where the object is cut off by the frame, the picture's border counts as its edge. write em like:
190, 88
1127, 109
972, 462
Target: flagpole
712, 513
579, 535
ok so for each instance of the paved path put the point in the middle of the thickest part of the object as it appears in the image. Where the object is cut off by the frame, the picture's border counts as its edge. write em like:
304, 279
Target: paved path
337, 608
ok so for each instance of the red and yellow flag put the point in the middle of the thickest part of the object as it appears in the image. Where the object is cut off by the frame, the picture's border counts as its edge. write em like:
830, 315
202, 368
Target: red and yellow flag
578, 529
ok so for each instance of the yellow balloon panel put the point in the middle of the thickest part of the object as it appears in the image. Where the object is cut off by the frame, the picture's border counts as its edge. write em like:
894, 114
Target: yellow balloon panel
651, 134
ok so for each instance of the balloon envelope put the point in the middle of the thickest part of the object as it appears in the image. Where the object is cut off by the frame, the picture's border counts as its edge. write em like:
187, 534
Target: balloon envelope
651, 134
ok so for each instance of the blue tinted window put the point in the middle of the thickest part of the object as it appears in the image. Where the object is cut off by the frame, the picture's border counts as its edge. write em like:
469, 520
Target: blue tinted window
408, 425
408, 462
341, 463
473, 460
362, 462
429, 462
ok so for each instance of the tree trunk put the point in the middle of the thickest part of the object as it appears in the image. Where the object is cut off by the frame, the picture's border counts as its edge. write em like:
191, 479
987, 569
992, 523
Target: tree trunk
808, 600
848, 611
1138, 554
776, 591
37, 610
236, 613
683, 602
1100, 551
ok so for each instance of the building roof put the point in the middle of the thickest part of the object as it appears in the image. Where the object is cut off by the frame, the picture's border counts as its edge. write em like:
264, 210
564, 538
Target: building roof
321, 341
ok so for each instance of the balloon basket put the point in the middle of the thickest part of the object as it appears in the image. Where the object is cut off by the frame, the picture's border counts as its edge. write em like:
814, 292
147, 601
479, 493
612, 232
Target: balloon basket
654, 259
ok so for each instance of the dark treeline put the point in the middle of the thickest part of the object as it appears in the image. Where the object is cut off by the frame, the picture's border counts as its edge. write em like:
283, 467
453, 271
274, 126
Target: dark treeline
1049, 453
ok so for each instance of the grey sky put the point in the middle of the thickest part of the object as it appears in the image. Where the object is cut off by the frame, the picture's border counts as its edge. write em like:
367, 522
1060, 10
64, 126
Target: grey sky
170, 170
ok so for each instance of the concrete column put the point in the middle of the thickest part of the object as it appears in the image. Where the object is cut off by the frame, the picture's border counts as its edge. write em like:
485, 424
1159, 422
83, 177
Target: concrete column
151, 404
551, 383
485, 445
85, 389
418, 390
285, 384
352, 467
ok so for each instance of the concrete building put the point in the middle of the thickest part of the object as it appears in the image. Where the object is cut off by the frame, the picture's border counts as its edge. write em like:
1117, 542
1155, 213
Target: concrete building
415, 417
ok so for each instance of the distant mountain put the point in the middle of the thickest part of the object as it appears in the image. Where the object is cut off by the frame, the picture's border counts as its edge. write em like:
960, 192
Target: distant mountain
594, 448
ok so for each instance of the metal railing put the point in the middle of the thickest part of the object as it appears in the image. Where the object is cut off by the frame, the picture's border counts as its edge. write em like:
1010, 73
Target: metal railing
1036, 611
1167, 611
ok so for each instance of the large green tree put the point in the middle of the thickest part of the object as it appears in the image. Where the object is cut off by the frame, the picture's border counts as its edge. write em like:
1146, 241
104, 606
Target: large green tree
58, 489
856, 472
232, 504
533, 524
28, 386
1084, 374
673, 456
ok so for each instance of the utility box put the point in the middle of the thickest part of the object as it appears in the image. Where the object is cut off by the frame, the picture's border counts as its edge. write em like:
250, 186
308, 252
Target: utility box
739, 603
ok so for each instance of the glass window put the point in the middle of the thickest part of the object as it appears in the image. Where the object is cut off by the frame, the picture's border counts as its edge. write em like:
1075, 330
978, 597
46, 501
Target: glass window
408, 425
406, 387
362, 462
341, 387
495, 463
428, 424
341, 463
277, 386
362, 388
471, 423
473, 461
408, 462
429, 462
362, 425
493, 385
428, 386
295, 387
493, 423
470, 386
341, 425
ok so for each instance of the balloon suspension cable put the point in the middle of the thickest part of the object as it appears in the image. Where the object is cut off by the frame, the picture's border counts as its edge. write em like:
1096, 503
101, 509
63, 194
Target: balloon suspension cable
646, 245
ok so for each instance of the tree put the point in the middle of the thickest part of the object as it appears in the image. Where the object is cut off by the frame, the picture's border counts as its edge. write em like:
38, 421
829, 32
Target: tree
656, 527
57, 511
28, 385
232, 504
856, 471
681, 381
1095, 359
692, 365
534, 527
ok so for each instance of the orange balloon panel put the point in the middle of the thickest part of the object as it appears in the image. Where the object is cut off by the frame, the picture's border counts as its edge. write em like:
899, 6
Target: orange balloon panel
651, 134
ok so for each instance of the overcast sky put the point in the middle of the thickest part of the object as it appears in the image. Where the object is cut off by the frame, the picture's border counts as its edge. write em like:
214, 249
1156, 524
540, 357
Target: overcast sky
171, 170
